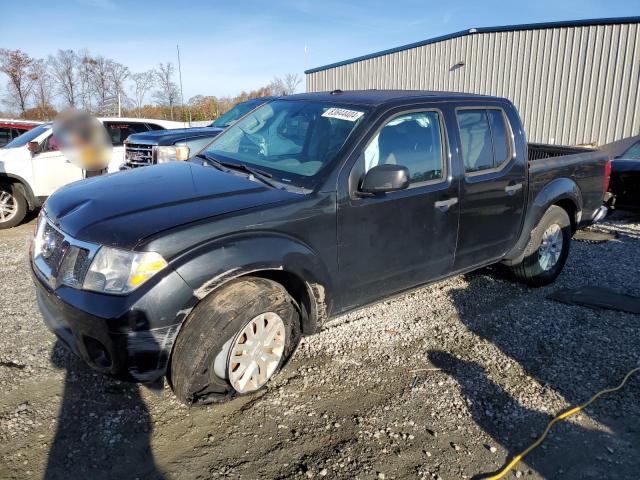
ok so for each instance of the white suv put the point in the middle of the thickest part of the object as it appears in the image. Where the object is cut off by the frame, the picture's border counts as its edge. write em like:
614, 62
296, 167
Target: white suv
27, 179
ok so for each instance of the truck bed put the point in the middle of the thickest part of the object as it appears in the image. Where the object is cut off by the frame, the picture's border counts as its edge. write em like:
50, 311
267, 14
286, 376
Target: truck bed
585, 166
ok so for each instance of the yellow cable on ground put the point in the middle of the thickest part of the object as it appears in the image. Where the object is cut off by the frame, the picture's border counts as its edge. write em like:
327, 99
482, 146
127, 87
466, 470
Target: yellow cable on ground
562, 416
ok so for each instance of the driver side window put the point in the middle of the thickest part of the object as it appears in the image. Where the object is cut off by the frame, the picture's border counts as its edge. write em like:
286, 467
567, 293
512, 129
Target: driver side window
413, 140
50, 144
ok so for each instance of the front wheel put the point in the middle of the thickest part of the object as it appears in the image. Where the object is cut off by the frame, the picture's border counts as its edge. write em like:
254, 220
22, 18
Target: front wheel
13, 206
234, 341
547, 251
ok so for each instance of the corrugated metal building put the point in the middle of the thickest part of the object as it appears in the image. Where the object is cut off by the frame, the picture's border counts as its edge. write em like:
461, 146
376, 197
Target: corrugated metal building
574, 82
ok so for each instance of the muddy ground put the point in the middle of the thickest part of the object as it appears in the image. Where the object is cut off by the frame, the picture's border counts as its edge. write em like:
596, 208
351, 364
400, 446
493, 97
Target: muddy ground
448, 381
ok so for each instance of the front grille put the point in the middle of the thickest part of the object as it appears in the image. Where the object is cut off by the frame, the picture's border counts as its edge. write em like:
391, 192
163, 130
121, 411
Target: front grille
60, 259
138, 155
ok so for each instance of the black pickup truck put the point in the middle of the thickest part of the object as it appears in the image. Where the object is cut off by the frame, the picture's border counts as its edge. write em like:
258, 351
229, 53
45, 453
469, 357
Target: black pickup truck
151, 148
209, 271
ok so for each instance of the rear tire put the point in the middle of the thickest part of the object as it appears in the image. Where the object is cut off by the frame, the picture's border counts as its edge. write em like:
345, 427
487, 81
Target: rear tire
13, 206
203, 369
547, 251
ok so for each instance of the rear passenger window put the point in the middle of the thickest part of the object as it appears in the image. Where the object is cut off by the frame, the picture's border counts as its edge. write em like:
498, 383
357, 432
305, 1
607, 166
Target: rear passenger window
484, 139
413, 140
118, 132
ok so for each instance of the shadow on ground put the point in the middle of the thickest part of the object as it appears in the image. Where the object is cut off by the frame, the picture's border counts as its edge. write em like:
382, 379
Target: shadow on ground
103, 428
574, 355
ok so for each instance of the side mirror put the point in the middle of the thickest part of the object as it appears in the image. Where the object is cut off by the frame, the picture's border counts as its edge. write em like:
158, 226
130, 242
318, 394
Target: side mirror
385, 178
33, 147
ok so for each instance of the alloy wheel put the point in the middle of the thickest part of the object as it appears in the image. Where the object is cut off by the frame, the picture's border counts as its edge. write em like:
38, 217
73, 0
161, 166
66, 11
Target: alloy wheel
256, 352
8, 206
551, 247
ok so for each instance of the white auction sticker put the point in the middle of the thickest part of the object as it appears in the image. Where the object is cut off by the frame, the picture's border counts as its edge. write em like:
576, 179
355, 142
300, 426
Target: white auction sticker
343, 114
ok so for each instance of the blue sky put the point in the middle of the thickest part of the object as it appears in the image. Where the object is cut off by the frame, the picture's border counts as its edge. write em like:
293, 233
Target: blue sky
229, 46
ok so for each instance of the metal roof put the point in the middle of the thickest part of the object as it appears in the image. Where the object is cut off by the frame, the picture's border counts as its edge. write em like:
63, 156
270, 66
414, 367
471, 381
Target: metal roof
471, 31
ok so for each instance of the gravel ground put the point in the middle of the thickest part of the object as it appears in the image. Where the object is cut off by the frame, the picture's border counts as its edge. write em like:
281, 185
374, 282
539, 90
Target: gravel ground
448, 381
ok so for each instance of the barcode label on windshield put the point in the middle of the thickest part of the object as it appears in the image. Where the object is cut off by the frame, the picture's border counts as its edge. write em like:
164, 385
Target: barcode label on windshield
343, 114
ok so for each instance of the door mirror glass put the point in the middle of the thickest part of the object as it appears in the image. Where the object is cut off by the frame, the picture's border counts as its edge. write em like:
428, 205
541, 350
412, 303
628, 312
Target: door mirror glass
385, 178
33, 147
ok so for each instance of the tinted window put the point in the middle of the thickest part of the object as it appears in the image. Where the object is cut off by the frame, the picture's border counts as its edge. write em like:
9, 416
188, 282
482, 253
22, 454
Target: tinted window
18, 131
118, 132
235, 113
484, 139
153, 126
475, 138
632, 152
5, 136
413, 140
499, 135
28, 136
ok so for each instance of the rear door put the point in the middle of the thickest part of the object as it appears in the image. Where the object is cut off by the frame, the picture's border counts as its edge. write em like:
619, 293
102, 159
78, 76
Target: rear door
397, 240
494, 183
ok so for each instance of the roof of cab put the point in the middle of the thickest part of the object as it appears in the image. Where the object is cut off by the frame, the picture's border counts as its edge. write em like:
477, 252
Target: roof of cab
380, 97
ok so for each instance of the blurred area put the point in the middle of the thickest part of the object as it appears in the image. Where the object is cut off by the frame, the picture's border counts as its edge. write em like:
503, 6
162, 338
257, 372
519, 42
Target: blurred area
83, 140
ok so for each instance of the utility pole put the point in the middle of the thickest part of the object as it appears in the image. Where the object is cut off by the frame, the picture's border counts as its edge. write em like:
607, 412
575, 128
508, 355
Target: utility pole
181, 94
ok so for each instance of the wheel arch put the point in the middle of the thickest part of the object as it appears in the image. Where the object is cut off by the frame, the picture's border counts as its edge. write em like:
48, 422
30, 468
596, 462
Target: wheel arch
563, 192
280, 258
23, 186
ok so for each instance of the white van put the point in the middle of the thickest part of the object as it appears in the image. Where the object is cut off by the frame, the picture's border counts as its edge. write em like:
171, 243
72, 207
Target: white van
27, 178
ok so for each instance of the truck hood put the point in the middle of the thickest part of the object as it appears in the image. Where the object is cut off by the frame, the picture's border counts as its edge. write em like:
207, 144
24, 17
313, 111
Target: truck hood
169, 137
123, 208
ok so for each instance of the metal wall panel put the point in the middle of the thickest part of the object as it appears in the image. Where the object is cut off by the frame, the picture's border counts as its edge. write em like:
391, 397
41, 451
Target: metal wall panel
572, 85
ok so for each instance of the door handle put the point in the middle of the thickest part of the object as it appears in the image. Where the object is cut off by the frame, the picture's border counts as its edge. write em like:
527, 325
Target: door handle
443, 205
511, 189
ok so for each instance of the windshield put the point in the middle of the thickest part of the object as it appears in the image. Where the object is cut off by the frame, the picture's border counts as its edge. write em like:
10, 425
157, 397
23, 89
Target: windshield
632, 152
292, 140
27, 137
235, 113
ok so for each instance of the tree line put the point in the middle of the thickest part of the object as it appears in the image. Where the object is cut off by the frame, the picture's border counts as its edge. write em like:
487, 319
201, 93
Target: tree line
38, 88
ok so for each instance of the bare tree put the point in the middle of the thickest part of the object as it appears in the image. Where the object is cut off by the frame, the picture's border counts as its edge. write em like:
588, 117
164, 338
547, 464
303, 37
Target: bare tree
43, 87
63, 68
285, 86
167, 93
142, 83
118, 75
84, 69
17, 66
292, 81
100, 78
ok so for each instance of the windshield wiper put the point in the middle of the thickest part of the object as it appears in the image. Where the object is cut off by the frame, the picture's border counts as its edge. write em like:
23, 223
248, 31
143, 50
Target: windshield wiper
256, 173
211, 161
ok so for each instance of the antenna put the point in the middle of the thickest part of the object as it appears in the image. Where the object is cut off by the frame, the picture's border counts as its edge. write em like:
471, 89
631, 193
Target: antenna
180, 74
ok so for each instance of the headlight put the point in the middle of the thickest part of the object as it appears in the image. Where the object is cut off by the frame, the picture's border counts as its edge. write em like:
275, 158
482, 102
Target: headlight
182, 152
121, 271
165, 154
172, 153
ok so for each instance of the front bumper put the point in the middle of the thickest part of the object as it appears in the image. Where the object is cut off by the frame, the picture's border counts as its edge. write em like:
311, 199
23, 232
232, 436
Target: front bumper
129, 337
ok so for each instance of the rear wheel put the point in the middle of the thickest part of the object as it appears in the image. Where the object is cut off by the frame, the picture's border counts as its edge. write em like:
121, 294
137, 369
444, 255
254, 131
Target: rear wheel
547, 251
13, 206
234, 341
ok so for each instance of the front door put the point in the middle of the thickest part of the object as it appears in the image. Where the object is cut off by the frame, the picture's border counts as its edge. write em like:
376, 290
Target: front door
394, 241
51, 169
494, 185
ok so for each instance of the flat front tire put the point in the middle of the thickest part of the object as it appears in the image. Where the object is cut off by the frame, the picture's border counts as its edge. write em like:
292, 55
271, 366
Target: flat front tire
234, 341
13, 206
547, 251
